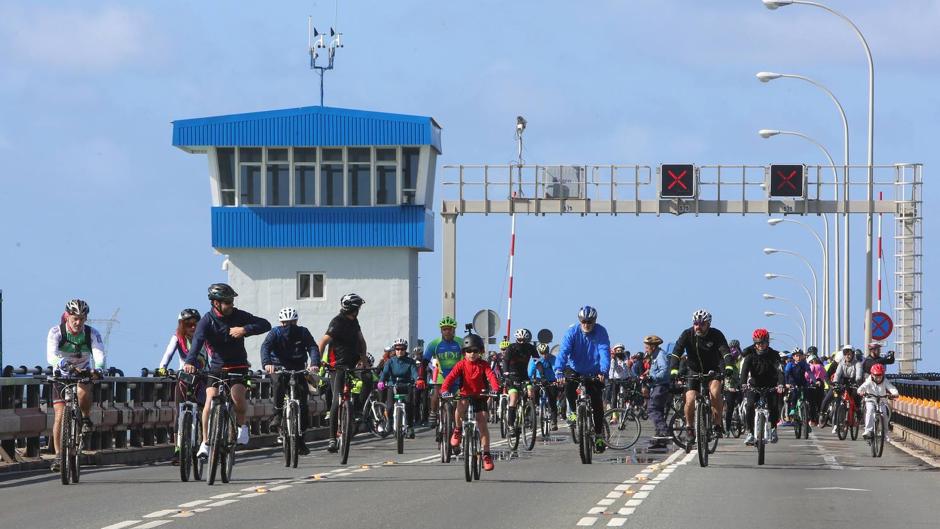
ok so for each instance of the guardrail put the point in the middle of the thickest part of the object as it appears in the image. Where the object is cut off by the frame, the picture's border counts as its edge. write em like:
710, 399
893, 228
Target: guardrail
129, 413
918, 409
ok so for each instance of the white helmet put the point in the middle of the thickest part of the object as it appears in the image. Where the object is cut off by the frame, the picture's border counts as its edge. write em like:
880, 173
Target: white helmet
288, 314
619, 346
524, 334
401, 342
76, 307
701, 316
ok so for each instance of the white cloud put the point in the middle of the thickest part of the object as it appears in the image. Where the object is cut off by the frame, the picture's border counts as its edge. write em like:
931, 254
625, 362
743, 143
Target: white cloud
72, 38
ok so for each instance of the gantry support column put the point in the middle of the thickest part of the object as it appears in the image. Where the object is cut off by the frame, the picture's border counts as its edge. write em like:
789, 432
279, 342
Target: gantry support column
449, 271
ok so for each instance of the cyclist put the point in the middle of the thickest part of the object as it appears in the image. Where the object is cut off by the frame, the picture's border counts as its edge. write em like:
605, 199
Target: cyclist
618, 374
474, 375
179, 346
542, 369
732, 380
401, 369
585, 350
707, 351
222, 330
848, 371
659, 389
762, 368
796, 379
817, 381
421, 395
290, 347
347, 350
874, 357
445, 352
73, 346
516, 370
876, 385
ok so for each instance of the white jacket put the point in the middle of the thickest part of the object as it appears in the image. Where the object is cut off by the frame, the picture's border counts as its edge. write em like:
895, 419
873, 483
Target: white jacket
869, 387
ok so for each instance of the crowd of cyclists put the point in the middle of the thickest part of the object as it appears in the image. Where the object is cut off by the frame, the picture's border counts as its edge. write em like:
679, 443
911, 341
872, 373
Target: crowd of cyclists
700, 360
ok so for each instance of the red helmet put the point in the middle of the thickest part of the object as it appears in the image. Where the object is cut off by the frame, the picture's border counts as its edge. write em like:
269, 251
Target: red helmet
761, 336
878, 370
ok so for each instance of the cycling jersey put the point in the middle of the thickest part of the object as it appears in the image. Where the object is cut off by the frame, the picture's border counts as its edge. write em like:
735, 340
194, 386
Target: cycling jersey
588, 354
516, 360
447, 353
399, 370
344, 348
541, 370
289, 347
705, 353
475, 376
848, 373
872, 360
179, 346
82, 350
796, 373
762, 369
212, 331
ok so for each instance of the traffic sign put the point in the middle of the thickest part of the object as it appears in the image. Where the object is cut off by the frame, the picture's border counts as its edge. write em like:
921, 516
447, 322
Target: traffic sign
787, 181
486, 323
881, 325
677, 180
545, 336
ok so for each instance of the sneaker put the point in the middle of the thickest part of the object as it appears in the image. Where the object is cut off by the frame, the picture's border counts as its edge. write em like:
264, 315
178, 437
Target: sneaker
456, 438
242, 434
380, 428
835, 430
554, 425
302, 449
326, 416
600, 446
572, 417
410, 432
487, 462
87, 426
333, 447
203, 452
750, 440
56, 464
719, 431
785, 423
773, 435
868, 434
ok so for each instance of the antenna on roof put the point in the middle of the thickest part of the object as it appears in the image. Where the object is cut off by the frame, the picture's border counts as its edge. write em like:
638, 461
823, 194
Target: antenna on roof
108, 324
317, 41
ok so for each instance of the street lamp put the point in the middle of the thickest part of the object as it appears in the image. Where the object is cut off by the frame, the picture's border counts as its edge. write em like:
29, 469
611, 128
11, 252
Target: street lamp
825, 259
768, 251
774, 4
842, 286
797, 307
793, 339
770, 313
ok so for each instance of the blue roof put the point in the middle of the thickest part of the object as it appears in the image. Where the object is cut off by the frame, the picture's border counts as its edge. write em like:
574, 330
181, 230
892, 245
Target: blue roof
306, 127
323, 227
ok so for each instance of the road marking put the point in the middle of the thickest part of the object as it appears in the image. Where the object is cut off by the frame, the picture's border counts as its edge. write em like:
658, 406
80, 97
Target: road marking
839, 488
252, 495
221, 503
648, 487
605, 502
121, 525
596, 510
616, 522
419, 460
281, 487
195, 503
184, 514
633, 503
360, 470
641, 495
626, 510
343, 474
226, 495
155, 523
614, 494
160, 514
622, 487
587, 521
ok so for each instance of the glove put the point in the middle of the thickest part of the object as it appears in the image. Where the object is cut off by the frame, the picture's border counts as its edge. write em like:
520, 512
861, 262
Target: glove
674, 373
420, 384
161, 372
381, 386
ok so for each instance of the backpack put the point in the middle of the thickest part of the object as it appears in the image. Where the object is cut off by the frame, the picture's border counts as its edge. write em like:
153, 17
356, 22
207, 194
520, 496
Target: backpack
63, 336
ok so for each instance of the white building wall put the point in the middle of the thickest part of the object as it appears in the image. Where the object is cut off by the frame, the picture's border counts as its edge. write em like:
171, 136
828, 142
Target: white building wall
387, 278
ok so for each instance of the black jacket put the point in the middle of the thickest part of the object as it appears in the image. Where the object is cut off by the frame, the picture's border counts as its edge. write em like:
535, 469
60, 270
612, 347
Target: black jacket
883, 360
705, 353
762, 369
289, 347
223, 350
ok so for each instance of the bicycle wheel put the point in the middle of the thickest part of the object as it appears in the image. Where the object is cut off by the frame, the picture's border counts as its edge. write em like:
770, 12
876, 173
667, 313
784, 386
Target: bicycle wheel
623, 428
503, 417
347, 434
804, 418
514, 430
853, 427
65, 448
446, 425
584, 443
296, 438
378, 422
185, 446
701, 433
737, 424
228, 452
797, 425
477, 455
198, 463
677, 431
215, 437
544, 424
878, 437
468, 452
529, 422
842, 429
399, 431
759, 440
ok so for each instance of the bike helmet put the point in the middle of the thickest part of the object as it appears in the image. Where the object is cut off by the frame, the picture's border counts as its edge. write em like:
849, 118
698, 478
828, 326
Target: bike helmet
812, 350
388, 349
288, 314
878, 370
221, 292
701, 316
542, 348
503, 344
188, 314
618, 346
587, 314
761, 336
350, 303
653, 340
472, 341
524, 334
77, 307
417, 350
734, 344
447, 321
401, 342
874, 345
370, 360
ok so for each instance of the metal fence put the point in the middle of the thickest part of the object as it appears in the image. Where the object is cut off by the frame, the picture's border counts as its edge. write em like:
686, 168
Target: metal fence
919, 409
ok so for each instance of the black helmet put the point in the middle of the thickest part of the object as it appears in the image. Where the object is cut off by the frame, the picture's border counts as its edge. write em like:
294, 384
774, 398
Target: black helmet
350, 303
473, 341
221, 291
188, 314
734, 343
77, 307
812, 350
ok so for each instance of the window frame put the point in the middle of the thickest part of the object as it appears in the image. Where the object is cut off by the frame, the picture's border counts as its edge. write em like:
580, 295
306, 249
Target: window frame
264, 176
311, 297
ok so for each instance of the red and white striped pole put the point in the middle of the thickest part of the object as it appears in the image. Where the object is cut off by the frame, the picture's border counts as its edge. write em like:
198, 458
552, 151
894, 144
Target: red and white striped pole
512, 254
880, 254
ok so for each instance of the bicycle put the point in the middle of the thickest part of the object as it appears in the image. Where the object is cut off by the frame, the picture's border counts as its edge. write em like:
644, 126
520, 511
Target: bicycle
877, 440
503, 410
524, 426
706, 440
677, 426
583, 428
400, 394
762, 424
545, 409
223, 432
622, 423
345, 429
800, 418
71, 440
291, 431
472, 442
189, 426
737, 423
846, 414
444, 429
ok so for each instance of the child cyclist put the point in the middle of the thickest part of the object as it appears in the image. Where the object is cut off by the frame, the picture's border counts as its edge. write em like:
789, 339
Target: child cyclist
474, 374
876, 385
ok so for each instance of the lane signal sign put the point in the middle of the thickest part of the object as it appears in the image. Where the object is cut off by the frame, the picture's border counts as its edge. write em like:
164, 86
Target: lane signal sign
787, 181
677, 181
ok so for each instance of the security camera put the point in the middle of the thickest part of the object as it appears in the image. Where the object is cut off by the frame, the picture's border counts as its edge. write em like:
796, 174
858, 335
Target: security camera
520, 123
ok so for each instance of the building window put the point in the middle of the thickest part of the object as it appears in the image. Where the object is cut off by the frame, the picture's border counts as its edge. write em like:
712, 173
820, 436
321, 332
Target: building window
409, 174
249, 161
386, 176
331, 178
277, 178
360, 176
226, 159
309, 285
305, 176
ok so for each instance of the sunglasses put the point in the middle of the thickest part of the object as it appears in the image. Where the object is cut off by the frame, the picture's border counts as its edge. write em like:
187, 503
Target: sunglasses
401, 348
471, 351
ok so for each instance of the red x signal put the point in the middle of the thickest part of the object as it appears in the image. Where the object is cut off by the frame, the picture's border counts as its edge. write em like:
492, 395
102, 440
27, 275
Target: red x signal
677, 180
788, 180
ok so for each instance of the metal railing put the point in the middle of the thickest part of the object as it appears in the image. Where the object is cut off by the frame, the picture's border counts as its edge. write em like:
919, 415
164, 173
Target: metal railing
920, 412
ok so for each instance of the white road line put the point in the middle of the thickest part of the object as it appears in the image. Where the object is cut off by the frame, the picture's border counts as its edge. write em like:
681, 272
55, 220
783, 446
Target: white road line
252, 495
155, 523
648, 487
195, 503
419, 460
184, 514
641, 495
605, 502
626, 510
596, 510
616, 522
615, 494
225, 495
622, 487
360, 470
121, 525
342, 474
280, 487
278, 481
221, 503
587, 521
633, 503
160, 514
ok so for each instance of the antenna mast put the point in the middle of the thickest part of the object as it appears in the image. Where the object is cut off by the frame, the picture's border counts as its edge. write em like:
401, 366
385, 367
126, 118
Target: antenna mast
108, 327
316, 41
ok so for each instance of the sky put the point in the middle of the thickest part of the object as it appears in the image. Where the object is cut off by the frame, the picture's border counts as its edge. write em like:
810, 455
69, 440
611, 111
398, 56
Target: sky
96, 203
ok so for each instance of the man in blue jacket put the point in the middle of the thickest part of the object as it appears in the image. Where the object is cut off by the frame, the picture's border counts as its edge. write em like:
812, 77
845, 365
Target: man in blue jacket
585, 351
659, 389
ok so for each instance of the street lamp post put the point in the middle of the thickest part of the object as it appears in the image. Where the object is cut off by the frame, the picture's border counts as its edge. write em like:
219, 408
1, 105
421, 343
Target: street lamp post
770, 313
768, 251
825, 259
797, 307
841, 289
794, 339
774, 4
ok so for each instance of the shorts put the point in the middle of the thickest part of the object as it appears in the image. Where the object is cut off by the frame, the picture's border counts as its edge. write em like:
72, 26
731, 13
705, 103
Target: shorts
57, 397
225, 372
478, 404
695, 384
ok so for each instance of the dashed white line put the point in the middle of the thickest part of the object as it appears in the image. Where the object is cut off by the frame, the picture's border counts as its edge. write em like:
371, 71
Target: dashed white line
198, 502
616, 522
596, 510
614, 494
221, 503
280, 487
626, 510
633, 503
155, 523
605, 502
252, 495
622, 487
160, 514
226, 495
121, 525
587, 521
648, 487
641, 495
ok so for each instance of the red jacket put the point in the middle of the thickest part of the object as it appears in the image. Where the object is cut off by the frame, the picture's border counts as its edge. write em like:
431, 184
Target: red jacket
473, 376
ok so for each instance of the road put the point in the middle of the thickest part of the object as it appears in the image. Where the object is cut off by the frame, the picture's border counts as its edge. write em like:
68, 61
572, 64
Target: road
811, 483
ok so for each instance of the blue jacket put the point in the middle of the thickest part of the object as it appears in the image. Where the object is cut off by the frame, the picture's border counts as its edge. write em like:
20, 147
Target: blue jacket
290, 348
225, 351
659, 368
587, 354
399, 370
541, 370
795, 373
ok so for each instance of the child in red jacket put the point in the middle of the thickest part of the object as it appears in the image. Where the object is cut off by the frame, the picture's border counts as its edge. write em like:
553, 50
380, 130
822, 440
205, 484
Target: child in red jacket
474, 374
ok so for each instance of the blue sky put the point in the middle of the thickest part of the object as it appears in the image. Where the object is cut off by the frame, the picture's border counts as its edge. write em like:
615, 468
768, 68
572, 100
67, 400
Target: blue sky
96, 203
